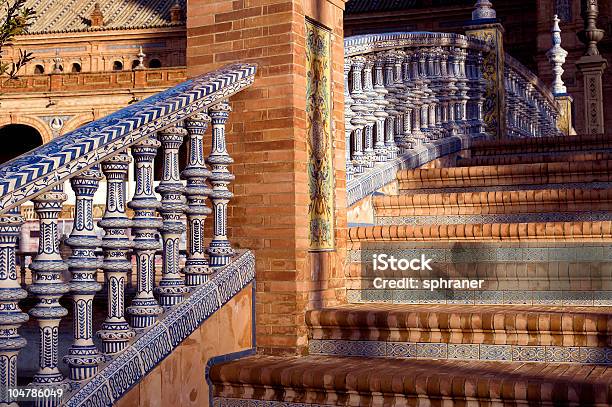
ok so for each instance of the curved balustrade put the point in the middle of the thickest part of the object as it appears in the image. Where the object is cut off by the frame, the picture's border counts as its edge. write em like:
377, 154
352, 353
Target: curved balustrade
404, 91
530, 109
85, 156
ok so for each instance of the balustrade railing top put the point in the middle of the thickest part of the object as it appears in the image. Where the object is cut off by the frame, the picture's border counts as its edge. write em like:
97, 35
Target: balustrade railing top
40, 169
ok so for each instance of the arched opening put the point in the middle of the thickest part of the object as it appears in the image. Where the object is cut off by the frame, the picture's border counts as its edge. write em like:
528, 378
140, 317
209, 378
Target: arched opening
39, 70
135, 63
117, 66
155, 63
18, 139
76, 68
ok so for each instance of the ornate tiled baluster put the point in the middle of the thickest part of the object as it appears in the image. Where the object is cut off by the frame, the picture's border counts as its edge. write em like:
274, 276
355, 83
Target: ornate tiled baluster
220, 249
144, 308
401, 94
383, 151
428, 101
83, 356
197, 270
48, 286
359, 109
481, 86
348, 115
408, 101
418, 98
444, 91
389, 81
370, 102
11, 316
115, 333
171, 287
436, 85
453, 90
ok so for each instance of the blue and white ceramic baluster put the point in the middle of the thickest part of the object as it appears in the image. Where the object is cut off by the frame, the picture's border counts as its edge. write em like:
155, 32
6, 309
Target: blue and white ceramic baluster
197, 270
48, 287
83, 356
11, 316
171, 289
383, 152
116, 333
348, 115
144, 308
220, 250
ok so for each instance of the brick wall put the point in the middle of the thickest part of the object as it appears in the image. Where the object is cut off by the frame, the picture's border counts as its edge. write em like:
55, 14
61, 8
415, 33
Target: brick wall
267, 139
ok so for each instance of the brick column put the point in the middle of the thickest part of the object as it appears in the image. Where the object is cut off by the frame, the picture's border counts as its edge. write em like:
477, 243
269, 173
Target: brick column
300, 257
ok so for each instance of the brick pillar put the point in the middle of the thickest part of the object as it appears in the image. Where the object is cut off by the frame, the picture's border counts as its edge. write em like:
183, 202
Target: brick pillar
299, 239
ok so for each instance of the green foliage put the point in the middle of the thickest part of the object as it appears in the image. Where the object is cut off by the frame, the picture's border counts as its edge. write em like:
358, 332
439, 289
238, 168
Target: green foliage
16, 20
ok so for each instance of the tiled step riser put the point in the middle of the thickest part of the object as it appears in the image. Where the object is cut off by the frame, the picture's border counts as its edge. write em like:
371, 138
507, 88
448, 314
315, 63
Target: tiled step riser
494, 175
461, 351
532, 158
484, 297
503, 202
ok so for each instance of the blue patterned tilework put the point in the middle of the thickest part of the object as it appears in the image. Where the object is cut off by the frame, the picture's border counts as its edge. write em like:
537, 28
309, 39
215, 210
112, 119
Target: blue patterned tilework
488, 297
503, 353
30, 174
151, 347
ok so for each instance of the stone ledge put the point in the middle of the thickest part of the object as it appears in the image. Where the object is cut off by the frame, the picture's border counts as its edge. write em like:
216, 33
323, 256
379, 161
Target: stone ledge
494, 202
342, 381
152, 346
556, 231
467, 324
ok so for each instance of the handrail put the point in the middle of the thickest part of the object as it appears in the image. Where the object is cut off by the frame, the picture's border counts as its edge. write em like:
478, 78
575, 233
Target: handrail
368, 43
37, 171
530, 109
520, 69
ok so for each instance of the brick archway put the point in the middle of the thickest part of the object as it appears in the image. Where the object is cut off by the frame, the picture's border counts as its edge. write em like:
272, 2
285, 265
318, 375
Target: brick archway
39, 125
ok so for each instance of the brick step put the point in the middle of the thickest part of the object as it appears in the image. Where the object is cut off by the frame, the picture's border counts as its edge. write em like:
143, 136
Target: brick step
573, 201
501, 175
351, 381
598, 231
507, 159
579, 143
470, 325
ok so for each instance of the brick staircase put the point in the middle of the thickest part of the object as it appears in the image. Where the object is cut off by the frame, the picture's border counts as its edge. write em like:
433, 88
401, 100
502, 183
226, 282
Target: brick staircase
532, 220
